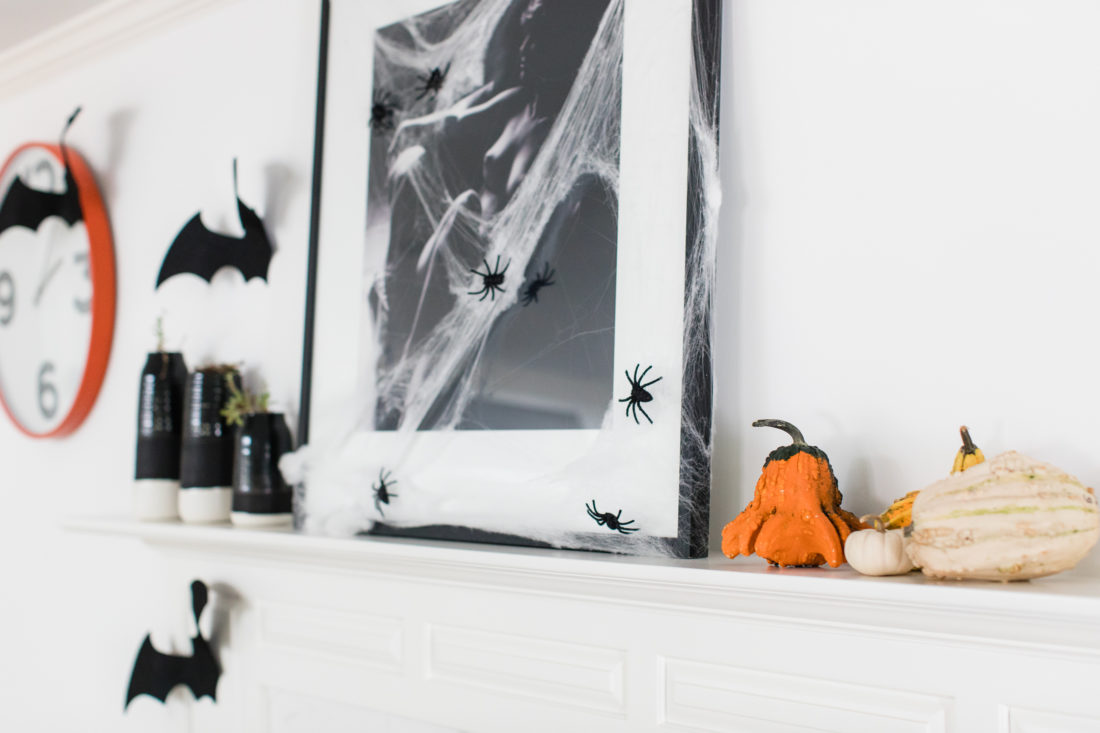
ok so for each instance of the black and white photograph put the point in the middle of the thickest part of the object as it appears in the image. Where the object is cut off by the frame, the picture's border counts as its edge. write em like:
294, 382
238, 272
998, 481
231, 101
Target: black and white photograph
493, 185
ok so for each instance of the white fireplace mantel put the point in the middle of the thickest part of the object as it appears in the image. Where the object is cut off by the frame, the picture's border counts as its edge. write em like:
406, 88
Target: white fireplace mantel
480, 637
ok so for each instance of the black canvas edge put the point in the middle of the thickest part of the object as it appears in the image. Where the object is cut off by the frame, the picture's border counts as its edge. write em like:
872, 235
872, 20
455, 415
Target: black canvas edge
304, 403
693, 525
455, 533
459, 533
698, 379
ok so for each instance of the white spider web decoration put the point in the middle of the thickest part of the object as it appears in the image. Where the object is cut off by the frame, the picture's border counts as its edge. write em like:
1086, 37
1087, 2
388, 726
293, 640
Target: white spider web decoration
583, 143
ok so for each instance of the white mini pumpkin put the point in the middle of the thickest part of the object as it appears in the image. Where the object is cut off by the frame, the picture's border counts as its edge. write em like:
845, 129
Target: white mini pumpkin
878, 551
1010, 518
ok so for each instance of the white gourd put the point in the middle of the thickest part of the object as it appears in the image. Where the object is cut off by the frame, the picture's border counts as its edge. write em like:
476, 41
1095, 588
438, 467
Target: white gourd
878, 551
1010, 518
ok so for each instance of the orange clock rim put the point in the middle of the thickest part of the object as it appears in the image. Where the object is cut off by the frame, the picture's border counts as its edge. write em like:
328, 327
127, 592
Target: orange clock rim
101, 263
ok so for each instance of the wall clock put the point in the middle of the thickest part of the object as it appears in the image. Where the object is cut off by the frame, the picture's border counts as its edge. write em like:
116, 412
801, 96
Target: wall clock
57, 289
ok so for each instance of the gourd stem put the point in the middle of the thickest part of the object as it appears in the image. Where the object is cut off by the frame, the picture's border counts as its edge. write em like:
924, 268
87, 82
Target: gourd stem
874, 520
791, 430
968, 444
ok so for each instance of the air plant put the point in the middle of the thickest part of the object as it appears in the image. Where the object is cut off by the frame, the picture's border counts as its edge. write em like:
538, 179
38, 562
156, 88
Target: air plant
242, 402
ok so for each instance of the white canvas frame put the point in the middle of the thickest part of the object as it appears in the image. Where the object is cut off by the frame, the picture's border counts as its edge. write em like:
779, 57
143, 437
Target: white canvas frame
515, 483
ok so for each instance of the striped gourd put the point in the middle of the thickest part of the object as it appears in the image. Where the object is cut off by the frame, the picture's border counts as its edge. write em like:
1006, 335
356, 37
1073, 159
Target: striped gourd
899, 514
1010, 518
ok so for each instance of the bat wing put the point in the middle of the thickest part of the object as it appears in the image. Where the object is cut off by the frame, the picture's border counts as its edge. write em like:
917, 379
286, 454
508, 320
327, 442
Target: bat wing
155, 674
199, 251
27, 207
255, 248
203, 671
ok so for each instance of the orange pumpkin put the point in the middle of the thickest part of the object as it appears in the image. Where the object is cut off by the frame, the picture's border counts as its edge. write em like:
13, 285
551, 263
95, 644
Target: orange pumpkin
795, 516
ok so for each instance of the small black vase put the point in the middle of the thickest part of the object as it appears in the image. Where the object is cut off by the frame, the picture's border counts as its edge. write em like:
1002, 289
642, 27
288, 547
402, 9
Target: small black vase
260, 495
206, 459
159, 430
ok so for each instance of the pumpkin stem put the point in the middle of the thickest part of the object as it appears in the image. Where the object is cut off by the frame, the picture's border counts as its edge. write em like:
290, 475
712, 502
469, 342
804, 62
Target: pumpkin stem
968, 444
791, 430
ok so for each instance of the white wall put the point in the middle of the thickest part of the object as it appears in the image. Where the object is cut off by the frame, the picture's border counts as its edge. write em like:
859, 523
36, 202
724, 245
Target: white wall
908, 244
162, 120
909, 237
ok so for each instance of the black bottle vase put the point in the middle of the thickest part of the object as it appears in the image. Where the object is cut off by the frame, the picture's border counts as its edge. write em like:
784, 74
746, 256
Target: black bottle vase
260, 495
159, 430
206, 459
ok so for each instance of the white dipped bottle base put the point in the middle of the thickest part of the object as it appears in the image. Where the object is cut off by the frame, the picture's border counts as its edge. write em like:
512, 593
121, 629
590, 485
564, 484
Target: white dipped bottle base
248, 519
155, 499
205, 505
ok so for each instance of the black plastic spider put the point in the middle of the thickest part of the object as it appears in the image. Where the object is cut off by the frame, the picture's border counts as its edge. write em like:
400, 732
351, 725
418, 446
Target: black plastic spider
382, 110
542, 280
382, 493
433, 82
492, 279
638, 393
611, 521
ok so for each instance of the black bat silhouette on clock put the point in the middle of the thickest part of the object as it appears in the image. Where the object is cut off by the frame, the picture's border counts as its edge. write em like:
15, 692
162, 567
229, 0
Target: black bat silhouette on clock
156, 673
201, 252
23, 206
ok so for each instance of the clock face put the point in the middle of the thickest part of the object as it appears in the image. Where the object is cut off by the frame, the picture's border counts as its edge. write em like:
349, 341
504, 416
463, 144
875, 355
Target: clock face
56, 290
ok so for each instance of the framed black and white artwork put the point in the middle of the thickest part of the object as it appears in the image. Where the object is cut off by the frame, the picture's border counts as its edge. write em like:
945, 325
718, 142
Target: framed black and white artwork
511, 273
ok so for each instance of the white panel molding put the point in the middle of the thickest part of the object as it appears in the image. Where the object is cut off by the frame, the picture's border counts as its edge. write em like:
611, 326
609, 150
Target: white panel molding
344, 637
105, 28
498, 639
287, 710
326, 654
557, 672
1058, 617
1023, 720
714, 697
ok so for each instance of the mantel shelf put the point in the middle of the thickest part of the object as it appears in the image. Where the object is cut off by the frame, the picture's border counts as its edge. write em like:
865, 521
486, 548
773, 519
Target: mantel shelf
1061, 612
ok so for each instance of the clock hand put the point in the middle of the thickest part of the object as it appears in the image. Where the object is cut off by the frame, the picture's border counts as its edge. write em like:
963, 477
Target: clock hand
45, 165
46, 281
46, 273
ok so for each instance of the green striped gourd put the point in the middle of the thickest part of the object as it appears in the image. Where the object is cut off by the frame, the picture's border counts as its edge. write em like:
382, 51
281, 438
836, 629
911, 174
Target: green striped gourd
1010, 518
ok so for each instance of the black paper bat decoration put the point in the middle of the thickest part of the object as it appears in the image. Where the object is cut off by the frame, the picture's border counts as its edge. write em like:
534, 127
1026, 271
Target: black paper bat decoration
156, 673
202, 252
24, 206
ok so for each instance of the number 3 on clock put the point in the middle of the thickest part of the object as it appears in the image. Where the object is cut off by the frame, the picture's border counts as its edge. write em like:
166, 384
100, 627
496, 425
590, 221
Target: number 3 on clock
7, 298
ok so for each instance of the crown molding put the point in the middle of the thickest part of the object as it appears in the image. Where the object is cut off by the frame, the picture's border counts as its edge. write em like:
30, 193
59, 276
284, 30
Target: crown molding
105, 28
